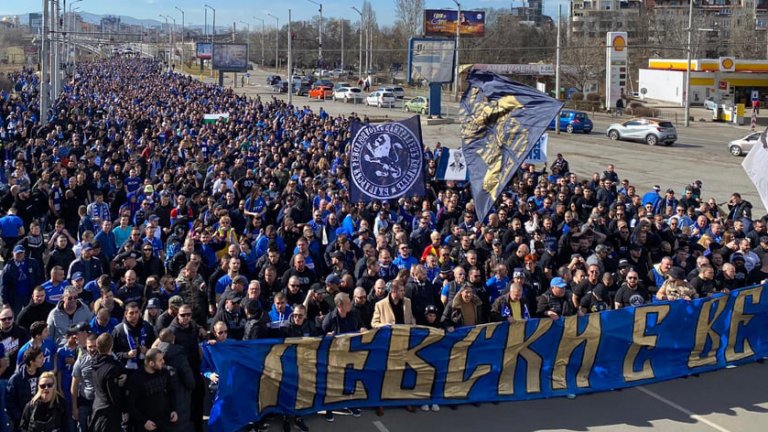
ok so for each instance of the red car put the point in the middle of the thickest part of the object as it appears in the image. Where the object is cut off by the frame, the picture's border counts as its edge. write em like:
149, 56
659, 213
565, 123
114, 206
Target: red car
321, 92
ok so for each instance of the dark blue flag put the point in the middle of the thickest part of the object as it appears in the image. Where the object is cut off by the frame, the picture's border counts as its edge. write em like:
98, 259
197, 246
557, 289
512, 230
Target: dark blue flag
386, 161
503, 120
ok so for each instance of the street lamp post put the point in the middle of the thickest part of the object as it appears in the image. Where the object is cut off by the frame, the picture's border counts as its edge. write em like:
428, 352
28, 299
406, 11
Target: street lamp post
341, 22
290, 63
182, 32
360, 54
687, 95
261, 39
247, 31
213, 33
168, 52
458, 41
320, 36
277, 40
69, 23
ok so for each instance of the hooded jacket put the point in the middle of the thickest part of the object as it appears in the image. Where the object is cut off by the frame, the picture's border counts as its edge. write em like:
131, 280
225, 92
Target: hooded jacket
184, 377
19, 392
107, 393
453, 317
189, 339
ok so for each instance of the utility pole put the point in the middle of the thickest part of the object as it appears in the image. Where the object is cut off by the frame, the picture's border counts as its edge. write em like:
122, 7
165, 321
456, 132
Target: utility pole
687, 95
458, 41
277, 41
341, 22
56, 27
262, 40
44, 65
360, 45
213, 35
320, 35
557, 65
290, 62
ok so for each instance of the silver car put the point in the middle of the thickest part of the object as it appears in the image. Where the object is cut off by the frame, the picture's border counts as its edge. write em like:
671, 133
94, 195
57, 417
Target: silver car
648, 130
742, 146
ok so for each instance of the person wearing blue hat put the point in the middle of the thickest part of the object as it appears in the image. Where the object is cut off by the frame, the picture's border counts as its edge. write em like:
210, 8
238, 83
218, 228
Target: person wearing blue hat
20, 275
556, 301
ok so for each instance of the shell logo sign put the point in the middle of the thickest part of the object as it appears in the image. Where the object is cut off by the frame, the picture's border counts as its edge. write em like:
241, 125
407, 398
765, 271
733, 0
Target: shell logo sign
619, 43
727, 64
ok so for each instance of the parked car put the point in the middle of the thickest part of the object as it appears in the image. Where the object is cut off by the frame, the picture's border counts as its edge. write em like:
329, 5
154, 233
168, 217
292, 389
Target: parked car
341, 84
742, 146
324, 82
273, 79
321, 92
573, 121
347, 94
649, 130
381, 98
301, 89
710, 104
338, 73
419, 104
322, 73
397, 91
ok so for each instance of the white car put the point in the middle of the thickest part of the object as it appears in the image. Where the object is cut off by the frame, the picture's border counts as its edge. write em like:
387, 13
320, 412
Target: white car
381, 98
347, 94
338, 73
742, 146
322, 73
397, 91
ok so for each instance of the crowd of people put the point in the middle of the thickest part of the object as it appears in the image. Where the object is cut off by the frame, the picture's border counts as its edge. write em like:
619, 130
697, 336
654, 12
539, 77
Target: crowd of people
133, 231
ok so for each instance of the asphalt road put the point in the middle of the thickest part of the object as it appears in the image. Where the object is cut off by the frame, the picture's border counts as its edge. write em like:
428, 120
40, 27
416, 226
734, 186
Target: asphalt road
731, 400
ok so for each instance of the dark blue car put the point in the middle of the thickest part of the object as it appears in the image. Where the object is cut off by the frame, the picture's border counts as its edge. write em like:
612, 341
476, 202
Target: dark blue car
573, 121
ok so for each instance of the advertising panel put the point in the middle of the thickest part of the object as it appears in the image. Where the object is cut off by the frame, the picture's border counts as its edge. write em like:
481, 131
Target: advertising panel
442, 22
431, 60
230, 57
616, 68
203, 50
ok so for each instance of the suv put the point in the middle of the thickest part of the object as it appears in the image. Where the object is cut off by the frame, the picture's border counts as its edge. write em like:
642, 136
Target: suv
649, 130
573, 121
347, 94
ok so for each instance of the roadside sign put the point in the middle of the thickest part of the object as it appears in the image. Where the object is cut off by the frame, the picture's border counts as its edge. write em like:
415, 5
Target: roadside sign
755, 95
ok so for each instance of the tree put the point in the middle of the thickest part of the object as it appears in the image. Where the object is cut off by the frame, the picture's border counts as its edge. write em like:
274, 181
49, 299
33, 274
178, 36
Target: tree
410, 15
583, 61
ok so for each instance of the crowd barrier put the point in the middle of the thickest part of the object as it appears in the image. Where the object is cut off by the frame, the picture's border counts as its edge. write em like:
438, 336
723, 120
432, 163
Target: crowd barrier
539, 358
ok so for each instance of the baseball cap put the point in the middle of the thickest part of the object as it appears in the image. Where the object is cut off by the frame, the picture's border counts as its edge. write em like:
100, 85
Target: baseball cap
446, 267
558, 282
332, 279
240, 279
656, 188
234, 297
496, 242
176, 301
737, 256
764, 239
601, 248
87, 246
430, 309
77, 275
317, 287
676, 273
518, 272
623, 263
670, 190
153, 303
18, 249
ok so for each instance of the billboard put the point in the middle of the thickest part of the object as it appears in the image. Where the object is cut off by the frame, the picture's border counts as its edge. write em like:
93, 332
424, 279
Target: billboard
230, 57
203, 50
431, 60
616, 68
442, 22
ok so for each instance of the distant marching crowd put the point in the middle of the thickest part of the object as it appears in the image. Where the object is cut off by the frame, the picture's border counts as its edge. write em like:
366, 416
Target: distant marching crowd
133, 231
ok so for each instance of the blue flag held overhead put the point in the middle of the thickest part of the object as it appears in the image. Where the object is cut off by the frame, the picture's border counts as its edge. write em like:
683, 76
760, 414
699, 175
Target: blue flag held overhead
503, 121
386, 161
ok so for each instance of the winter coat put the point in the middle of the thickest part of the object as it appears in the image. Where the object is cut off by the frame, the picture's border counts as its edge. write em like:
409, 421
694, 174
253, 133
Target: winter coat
59, 321
177, 364
19, 392
41, 417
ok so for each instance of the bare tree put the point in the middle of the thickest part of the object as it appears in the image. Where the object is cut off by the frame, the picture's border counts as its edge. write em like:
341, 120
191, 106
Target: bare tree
583, 61
410, 15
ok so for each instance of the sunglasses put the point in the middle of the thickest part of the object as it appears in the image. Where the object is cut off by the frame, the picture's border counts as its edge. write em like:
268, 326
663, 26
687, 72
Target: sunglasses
223, 332
185, 315
6, 319
46, 386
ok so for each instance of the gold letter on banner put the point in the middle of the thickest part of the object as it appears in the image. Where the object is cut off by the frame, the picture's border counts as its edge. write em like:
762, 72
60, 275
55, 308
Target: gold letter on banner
571, 339
271, 377
401, 357
340, 358
306, 362
518, 346
704, 332
455, 385
640, 340
739, 318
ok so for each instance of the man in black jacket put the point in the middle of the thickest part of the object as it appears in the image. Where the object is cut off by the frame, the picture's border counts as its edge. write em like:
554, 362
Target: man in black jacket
177, 364
132, 338
189, 335
108, 378
152, 395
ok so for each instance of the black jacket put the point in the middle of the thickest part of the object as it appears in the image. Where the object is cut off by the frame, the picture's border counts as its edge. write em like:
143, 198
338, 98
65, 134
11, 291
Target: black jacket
184, 377
107, 393
32, 312
12, 340
151, 397
40, 417
19, 392
189, 338
142, 334
257, 327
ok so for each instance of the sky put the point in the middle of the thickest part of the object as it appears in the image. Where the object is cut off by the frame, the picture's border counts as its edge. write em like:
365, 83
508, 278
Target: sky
229, 11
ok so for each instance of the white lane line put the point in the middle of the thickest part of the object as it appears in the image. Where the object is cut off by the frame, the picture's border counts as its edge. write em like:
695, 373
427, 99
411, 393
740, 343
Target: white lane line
683, 410
380, 426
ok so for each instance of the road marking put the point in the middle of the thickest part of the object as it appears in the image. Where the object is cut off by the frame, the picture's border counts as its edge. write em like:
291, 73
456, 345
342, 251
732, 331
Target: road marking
683, 410
380, 426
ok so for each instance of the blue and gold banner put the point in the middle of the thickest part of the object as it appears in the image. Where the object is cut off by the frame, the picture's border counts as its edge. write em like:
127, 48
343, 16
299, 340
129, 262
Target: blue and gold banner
386, 161
503, 120
532, 359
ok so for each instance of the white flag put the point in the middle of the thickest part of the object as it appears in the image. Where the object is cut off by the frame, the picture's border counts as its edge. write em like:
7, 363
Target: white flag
756, 167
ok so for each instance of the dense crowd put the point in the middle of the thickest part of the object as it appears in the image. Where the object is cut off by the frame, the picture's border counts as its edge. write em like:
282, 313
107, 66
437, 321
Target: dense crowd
133, 231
